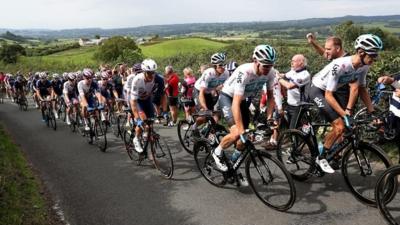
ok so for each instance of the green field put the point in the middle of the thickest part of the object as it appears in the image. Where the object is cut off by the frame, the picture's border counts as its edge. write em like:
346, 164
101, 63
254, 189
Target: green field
382, 26
172, 47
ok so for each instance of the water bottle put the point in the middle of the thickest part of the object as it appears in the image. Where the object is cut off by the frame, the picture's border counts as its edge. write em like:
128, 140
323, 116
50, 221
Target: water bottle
235, 155
320, 148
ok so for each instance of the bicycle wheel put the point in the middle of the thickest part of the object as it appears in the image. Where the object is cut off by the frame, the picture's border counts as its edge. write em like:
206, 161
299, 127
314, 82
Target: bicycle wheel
162, 156
128, 141
361, 168
270, 181
52, 119
100, 134
61, 110
24, 104
389, 209
205, 163
114, 124
185, 135
294, 150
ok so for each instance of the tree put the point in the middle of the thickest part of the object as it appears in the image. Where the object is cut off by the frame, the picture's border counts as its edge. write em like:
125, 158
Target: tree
117, 48
10, 53
348, 32
96, 36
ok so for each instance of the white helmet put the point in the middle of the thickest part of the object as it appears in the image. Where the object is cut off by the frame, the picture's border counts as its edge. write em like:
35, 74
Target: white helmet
149, 65
65, 75
369, 42
97, 75
104, 75
218, 58
43, 75
71, 76
265, 54
56, 76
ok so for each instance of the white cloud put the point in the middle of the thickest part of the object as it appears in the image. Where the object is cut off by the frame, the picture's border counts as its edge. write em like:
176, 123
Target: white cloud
61, 14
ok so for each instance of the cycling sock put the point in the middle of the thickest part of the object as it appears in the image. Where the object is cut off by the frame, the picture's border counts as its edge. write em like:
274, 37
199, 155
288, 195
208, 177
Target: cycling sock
218, 151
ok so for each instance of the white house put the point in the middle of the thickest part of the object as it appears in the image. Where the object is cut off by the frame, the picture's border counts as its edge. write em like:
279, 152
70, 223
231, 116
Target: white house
89, 42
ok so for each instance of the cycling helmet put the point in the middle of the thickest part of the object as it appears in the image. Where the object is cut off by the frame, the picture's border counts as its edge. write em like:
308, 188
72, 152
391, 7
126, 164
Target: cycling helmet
65, 75
104, 75
149, 65
218, 58
231, 66
71, 76
19, 78
43, 75
97, 75
137, 68
87, 73
56, 76
264, 54
370, 43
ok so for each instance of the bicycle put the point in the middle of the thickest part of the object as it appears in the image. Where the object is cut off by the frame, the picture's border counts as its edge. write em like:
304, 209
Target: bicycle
2, 93
381, 102
48, 114
210, 130
389, 208
62, 107
115, 120
361, 162
267, 177
98, 129
23, 103
154, 147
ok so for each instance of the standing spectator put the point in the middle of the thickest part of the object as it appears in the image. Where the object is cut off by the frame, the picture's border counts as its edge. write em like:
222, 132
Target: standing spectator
295, 82
171, 89
187, 91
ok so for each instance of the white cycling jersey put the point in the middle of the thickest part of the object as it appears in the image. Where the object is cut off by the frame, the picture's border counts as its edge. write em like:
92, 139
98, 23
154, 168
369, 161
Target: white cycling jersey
338, 73
300, 79
245, 82
69, 88
84, 89
140, 89
128, 83
210, 80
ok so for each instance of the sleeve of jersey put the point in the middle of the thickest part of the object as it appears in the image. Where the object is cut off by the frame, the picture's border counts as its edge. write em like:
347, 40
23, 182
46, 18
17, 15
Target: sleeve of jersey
363, 79
80, 89
65, 88
134, 90
333, 77
238, 84
396, 82
277, 94
204, 80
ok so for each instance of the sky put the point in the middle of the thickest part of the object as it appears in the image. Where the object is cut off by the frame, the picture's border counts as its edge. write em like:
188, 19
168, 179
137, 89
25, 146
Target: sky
68, 14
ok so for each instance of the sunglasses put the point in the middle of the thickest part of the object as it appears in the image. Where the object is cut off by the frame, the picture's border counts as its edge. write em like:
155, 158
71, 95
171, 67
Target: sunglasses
373, 56
267, 66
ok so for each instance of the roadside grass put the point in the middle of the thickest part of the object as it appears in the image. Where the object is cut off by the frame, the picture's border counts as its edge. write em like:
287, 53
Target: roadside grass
20, 200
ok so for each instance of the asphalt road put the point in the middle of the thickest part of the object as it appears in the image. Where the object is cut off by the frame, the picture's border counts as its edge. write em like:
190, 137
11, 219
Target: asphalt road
92, 187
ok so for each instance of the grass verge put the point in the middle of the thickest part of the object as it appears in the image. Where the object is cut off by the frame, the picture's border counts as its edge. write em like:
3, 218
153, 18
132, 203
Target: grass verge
21, 197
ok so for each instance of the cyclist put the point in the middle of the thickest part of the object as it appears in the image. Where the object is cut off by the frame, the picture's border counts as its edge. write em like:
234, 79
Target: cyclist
332, 49
58, 91
44, 90
18, 87
394, 105
171, 89
70, 96
187, 92
247, 81
136, 69
211, 82
34, 88
350, 70
141, 98
88, 91
231, 66
9, 86
160, 98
